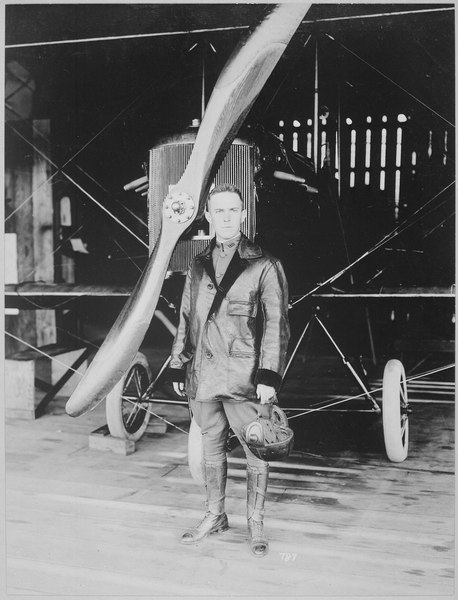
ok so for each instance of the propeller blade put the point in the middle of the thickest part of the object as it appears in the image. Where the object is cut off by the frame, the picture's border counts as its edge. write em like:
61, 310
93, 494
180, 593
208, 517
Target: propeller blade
237, 88
235, 92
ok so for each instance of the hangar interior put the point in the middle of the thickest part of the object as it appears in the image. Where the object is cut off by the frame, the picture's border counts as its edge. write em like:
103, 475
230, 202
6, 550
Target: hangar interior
347, 164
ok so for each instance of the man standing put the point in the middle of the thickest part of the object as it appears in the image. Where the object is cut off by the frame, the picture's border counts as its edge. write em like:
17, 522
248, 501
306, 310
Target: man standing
229, 353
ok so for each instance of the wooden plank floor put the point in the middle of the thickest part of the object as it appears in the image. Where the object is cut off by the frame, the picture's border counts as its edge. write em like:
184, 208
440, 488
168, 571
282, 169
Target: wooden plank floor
341, 521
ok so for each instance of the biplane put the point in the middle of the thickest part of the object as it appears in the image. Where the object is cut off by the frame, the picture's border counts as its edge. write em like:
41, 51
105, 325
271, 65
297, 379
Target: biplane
299, 176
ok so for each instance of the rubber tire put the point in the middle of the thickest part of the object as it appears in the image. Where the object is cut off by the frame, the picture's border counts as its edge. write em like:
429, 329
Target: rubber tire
195, 453
114, 404
394, 380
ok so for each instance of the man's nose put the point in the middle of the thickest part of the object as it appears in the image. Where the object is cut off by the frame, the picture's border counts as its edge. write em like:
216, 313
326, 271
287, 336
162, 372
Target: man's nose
227, 216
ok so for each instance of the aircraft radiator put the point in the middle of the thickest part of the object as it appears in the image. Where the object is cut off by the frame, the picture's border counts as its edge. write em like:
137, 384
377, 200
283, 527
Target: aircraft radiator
168, 160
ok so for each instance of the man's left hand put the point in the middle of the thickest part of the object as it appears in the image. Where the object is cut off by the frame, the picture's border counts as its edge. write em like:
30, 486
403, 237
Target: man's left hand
265, 393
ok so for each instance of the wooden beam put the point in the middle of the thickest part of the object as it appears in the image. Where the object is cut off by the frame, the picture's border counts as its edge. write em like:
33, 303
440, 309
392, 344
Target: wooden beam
18, 191
43, 226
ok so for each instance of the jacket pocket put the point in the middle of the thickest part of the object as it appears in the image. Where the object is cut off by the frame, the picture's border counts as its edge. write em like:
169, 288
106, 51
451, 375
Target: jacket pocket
241, 308
242, 347
241, 373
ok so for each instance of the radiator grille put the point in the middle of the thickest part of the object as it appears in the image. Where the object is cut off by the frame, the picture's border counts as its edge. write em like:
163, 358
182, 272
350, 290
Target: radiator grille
168, 161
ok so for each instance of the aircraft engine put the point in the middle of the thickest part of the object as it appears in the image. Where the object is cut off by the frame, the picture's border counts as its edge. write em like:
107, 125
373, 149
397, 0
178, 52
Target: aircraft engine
167, 162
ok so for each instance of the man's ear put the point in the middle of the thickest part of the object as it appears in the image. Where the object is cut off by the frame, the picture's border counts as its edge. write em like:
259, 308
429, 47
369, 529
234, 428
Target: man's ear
208, 216
243, 215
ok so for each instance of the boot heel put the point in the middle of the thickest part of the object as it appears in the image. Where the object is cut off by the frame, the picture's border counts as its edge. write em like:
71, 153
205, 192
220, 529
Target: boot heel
209, 524
223, 526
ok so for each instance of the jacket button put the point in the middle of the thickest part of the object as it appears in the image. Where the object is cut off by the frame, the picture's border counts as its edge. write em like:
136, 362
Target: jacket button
209, 355
210, 286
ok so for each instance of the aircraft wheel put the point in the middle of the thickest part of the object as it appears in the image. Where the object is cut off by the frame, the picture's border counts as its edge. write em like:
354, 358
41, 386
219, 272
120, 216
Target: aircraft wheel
195, 453
395, 411
127, 416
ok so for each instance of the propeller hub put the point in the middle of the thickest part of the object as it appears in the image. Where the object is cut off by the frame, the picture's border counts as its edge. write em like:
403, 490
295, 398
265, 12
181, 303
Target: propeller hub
178, 207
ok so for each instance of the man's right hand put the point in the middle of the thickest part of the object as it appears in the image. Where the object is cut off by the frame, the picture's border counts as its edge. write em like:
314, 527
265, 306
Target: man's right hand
178, 388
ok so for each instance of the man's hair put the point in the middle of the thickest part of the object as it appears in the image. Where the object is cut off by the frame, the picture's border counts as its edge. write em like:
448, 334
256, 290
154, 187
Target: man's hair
224, 187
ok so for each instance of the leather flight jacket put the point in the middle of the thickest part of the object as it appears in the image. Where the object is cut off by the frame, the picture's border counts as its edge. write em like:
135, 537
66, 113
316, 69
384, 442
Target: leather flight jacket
231, 339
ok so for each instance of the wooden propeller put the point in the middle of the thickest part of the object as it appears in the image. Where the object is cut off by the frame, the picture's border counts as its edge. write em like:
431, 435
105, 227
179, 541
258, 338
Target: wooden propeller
236, 89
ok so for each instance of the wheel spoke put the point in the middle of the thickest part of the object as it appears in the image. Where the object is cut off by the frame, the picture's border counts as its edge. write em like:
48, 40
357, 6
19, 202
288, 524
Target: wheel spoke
403, 394
127, 414
138, 383
132, 415
404, 422
129, 378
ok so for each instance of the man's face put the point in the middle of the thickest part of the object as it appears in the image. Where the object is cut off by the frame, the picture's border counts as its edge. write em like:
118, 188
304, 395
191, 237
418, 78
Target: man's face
226, 214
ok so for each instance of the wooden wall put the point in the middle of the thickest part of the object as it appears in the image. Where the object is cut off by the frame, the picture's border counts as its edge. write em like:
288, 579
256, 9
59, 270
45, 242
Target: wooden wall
376, 151
29, 214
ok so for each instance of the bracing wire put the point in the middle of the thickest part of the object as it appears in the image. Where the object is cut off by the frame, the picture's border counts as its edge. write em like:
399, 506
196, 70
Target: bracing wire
218, 29
284, 79
78, 338
47, 307
76, 184
126, 208
151, 412
51, 177
24, 202
43, 353
390, 79
126, 254
388, 237
398, 13
25, 279
127, 37
363, 394
60, 170
111, 121
53, 358
452, 214
303, 413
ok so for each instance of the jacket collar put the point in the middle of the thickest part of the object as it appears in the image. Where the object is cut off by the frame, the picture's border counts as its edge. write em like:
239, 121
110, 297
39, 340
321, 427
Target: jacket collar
246, 250
239, 262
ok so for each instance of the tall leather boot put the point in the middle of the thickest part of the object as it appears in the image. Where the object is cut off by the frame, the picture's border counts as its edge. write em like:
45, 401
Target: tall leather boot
256, 494
215, 519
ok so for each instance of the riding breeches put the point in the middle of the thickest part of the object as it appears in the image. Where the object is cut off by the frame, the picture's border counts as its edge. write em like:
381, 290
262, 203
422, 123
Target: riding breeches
215, 418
